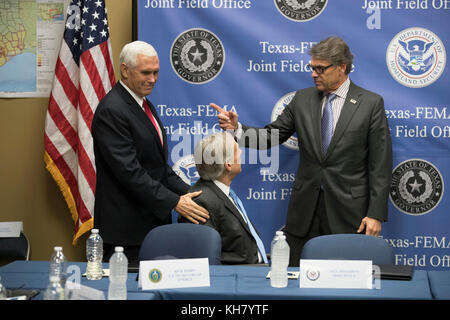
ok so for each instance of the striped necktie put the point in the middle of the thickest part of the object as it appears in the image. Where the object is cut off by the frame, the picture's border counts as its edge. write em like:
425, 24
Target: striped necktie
258, 240
149, 113
327, 123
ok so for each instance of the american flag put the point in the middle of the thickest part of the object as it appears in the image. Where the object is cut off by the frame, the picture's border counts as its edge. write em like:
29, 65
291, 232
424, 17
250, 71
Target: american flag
83, 75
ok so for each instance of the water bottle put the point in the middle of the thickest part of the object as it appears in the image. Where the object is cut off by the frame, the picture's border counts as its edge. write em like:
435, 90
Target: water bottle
54, 290
280, 262
118, 272
3, 292
94, 255
58, 265
275, 239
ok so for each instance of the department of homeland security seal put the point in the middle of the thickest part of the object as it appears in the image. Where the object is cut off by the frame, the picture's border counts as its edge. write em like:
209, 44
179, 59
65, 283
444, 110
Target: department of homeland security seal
416, 57
185, 168
416, 187
300, 10
292, 142
197, 56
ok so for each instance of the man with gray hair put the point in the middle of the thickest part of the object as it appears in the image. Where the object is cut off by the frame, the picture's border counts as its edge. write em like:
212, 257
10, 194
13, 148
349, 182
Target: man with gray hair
344, 173
218, 161
136, 189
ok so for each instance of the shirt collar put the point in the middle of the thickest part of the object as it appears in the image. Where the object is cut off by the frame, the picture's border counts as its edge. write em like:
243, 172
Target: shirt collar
225, 189
138, 99
343, 89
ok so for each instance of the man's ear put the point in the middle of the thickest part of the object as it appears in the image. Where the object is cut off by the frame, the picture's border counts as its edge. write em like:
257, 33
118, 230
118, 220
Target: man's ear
227, 166
342, 67
124, 71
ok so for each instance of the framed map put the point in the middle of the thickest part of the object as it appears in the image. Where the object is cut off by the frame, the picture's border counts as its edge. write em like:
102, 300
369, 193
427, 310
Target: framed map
30, 38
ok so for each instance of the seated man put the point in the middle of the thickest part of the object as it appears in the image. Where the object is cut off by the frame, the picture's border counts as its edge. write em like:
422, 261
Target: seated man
217, 158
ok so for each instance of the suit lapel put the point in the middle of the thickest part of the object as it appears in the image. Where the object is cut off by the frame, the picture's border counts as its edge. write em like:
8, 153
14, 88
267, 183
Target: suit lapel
228, 203
351, 104
143, 118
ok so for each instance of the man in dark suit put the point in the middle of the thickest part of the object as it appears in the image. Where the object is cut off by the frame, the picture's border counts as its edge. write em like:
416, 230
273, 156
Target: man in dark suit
136, 189
217, 158
344, 173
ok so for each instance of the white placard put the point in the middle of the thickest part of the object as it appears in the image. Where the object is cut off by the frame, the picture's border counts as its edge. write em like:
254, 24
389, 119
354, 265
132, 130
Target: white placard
175, 273
341, 274
80, 292
10, 229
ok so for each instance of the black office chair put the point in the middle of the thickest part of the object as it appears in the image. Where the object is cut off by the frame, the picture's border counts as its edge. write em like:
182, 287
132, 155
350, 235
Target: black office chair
182, 241
15, 248
349, 247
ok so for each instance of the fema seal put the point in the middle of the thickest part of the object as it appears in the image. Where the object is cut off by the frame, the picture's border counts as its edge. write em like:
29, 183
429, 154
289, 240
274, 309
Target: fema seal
301, 10
312, 275
185, 168
292, 142
155, 275
197, 56
416, 187
416, 57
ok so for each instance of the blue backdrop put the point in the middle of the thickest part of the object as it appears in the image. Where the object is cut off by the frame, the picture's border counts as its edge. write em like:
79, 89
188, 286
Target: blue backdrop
250, 56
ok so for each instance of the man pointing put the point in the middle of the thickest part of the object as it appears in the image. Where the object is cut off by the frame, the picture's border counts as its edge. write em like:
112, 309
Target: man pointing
344, 173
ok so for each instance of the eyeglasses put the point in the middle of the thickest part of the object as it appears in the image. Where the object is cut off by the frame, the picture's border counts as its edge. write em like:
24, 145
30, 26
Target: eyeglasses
318, 69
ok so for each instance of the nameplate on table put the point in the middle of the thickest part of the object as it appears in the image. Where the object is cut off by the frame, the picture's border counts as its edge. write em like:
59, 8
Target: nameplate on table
174, 273
339, 274
77, 291
10, 229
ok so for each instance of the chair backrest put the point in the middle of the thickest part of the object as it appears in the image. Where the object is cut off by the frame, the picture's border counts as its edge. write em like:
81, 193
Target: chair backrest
15, 248
349, 247
182, 241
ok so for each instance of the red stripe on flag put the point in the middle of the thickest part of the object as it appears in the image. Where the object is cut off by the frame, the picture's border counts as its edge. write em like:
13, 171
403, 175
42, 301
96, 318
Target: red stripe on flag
72, 138
109, 64
61, 122
86, 166
66, 82
85, 109
70, 179
91, 70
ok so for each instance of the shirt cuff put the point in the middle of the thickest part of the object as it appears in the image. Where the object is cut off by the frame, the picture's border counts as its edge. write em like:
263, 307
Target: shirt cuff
238, 132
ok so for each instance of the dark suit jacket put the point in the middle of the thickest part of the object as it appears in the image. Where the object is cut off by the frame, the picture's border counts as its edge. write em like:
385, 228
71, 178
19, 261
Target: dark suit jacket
136, 188
355, 174
238, 244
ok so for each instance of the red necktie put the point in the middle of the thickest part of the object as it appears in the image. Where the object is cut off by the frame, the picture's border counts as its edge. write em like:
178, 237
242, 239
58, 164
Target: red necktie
149, 113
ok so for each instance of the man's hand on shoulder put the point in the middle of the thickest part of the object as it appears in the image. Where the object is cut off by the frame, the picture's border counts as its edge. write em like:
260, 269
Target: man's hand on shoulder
191, 211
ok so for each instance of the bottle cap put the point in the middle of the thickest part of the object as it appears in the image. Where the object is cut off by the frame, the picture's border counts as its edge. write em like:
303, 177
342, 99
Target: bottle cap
118, 249
54, 278
94, 231
279, 233
58, 248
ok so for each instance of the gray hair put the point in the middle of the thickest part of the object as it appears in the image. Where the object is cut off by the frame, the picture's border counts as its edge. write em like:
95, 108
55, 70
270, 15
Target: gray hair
131, 50
335, 50
211, 154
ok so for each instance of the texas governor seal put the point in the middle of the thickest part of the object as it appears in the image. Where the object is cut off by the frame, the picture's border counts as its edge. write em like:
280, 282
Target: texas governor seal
197, 56
416, 187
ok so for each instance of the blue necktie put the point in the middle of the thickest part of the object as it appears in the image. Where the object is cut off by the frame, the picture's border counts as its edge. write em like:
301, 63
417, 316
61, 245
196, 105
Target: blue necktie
327, 123
240, 206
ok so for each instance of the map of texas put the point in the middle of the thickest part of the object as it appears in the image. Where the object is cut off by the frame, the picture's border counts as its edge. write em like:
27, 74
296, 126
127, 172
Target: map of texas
17, 28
